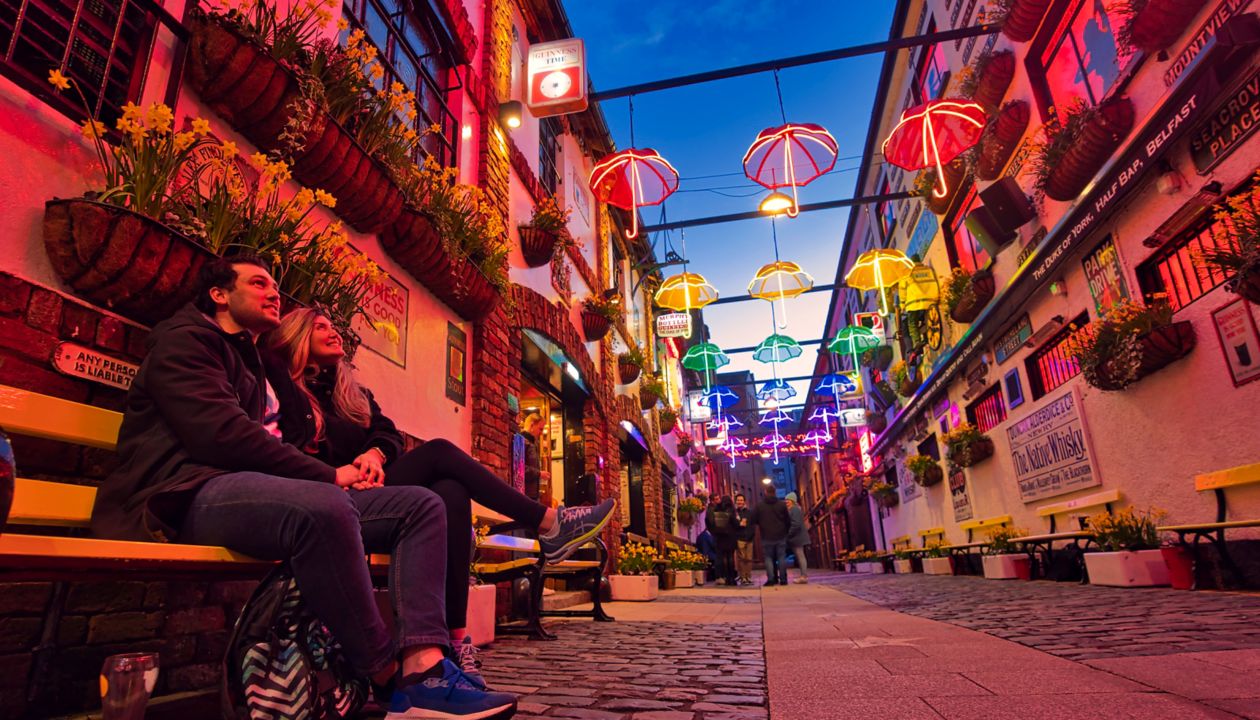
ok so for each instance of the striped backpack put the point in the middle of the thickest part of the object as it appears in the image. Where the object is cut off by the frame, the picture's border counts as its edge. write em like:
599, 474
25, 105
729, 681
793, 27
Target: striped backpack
283, 664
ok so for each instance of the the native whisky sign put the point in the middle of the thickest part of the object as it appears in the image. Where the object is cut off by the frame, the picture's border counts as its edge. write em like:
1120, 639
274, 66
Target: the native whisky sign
1050, 450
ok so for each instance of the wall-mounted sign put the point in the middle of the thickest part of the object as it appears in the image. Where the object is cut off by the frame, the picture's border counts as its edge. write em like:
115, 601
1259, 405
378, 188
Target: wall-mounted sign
924, 233
872, 321
383, 323
1050, 450
81, 362
1224, 11
906, 486
865, 442
852, 417
673, 325
556, 78
1236, 329
958, 495
848, 385
456, 360
1012, 340
697, 409
1106, 280
1236, 116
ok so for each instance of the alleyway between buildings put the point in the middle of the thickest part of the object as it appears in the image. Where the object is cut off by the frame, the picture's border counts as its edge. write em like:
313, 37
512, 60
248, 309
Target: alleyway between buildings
897, 648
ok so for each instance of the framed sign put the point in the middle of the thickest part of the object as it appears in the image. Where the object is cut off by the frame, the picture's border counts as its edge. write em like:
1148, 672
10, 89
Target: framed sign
1050, 450
1014, 390
1106, 280
1012, 340
383, 323
1236, 329
456, 361
853, 417
556, 78
959, 497
1228, 126
872, 321
906, 486
674, 324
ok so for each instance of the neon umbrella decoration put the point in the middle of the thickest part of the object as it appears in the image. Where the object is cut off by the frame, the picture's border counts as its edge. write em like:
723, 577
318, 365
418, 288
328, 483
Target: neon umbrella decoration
838, 385
776, 391
878, 269
705, 357
718, 397
777, 348
724, 421
933, 134
824, 414
780, 280
853, 340
632, 179
816, 439
685, 291
774, 417
732, 446
774, 441
791, 155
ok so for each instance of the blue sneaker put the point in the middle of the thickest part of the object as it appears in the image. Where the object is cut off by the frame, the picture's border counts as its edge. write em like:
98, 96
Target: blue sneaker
574, 527
451, 696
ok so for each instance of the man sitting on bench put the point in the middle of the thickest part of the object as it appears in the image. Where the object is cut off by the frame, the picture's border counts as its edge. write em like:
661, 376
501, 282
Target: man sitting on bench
202, 463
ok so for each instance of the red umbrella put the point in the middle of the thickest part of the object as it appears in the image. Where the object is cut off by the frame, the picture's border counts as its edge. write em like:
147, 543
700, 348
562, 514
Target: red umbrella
791, 155
632, 179
933, 134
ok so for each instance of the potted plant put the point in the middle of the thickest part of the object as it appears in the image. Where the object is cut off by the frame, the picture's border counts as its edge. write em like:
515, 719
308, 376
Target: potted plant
1130, 554
688, 509
1153, 25
635, 579
630, 364
684, 443
926, 181
905, 378
927, 471
867, 561
667, 419
1000, 139
1129, 342
1180, 561
966, 293
1001, 560
883, 393
966, 446
680, 566
598, 315
878, 357
936, 561
481, 599
987, 78
546, 230
903, 562
1236, 254
650, 392
877, 422
885, 494
1019, 18
1072, 150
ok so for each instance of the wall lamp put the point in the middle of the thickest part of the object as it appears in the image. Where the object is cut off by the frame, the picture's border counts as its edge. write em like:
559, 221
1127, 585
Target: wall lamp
510, 114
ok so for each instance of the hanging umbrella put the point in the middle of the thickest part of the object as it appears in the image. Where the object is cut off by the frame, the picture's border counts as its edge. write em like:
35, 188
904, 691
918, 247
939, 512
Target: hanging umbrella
853, 340
878, 269
816, 439
791, 155
780, 280
824, 414
704, 358
933, 134
838, 385
774, 417
632, 179
724, 421
777, 348
718, 397
732, 446
773, 440
685, 291
776, 391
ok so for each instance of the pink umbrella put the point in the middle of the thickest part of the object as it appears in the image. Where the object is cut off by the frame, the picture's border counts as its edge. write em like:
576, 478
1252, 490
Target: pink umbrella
632, 179
933, 134
791, 155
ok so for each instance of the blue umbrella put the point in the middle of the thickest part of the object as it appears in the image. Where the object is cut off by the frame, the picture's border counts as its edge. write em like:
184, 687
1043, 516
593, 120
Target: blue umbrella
718, 397
776, 390
838, 384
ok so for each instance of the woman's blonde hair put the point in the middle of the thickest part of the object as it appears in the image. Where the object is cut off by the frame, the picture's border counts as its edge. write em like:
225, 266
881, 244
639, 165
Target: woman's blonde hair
292, 341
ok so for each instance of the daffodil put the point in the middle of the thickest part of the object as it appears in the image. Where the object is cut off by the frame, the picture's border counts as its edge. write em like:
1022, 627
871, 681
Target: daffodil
58, 80
228, 150
183, 141
160, 118
326, 199
201, 127
342, 24
93, 129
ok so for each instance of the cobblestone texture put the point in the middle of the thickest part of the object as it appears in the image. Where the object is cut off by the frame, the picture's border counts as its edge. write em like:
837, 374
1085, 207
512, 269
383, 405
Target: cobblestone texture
1079, 622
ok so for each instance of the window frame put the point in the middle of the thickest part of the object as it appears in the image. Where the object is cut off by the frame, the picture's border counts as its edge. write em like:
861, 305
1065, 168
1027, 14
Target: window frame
923, 64
1032, 364
549, 133
993, 396
1041, 52
954, 222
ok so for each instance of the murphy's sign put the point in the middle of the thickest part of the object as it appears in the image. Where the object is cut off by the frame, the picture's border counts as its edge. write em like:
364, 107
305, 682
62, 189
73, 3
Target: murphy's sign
1233, 121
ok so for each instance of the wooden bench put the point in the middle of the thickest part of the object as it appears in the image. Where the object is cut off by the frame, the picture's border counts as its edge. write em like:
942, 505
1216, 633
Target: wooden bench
1217, 483
900, 543
1040, 548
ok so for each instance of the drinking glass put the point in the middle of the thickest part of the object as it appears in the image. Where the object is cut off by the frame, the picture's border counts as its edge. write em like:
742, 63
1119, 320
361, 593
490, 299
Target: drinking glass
126, 682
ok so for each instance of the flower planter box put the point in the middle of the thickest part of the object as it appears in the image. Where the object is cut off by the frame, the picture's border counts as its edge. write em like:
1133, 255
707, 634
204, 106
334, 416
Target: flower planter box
938, 566
698, 576
480, 626
1160, 22
1130, 568
683, 578
1001, 139
121, 260
871, 567
903, 567
1007, 567
413, 241
1160, 347
628, 372
634, 588
594, 326
973, 454
994, 80
969, 308
932, 476
1098, 141
538, 246
1023, 18
887, 500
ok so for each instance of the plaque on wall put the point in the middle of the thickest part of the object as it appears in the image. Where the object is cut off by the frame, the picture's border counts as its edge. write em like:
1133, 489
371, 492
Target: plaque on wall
88, 364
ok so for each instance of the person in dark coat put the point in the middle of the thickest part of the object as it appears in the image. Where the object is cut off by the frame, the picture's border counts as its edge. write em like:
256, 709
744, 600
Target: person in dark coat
772, 520
720, 522
798, 537
202, 462
745, 534
706, 547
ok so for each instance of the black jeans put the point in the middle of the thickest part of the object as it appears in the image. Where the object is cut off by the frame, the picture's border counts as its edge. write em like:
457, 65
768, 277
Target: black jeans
458, 480
724, 568
324, 532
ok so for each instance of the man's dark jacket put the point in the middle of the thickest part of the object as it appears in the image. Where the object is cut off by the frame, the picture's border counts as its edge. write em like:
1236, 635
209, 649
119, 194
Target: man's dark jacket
748, 531
721, 524
772, 517
194, 411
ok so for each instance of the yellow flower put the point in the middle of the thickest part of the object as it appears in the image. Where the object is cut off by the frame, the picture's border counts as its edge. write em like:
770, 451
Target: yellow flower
93, 129
376, 71
160, 118
183, 141
201, 126
342, 25
305, 197
325, 199
228, 150
58, 80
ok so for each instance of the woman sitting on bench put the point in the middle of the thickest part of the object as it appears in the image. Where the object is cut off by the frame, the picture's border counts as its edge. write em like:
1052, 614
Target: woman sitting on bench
325, 412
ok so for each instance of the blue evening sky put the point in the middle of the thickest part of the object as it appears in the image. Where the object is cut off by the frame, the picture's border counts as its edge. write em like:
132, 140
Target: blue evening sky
704, 130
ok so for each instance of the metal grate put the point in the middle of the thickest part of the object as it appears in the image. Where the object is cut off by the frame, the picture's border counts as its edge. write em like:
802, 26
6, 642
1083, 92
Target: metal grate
989, 410
1173, 270
1051, 366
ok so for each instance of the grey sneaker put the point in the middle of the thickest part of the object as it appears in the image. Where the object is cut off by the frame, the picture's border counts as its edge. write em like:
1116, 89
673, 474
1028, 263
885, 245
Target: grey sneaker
468, 656
577, 526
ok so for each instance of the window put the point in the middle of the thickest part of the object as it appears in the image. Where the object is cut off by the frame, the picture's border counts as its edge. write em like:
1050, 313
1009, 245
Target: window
988, 411
931, 72
964, 249
1172, 269
102, 45
887, 213
1078, 58
1051, 366
411, 52
548, 153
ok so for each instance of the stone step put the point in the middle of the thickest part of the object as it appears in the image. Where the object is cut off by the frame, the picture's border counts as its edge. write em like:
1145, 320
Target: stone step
562, 599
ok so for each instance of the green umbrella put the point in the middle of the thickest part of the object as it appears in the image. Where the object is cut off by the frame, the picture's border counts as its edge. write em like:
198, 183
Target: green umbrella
852, 340
777, 348
705, 357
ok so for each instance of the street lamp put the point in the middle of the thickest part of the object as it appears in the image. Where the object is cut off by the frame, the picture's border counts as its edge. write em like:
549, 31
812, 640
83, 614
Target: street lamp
766, 481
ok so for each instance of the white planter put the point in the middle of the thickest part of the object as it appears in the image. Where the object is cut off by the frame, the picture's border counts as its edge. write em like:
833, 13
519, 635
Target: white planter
634, 588
938, 566
1132, 568
903, 566
481, 614
870, 567
1003, 567
684, 578
699, 577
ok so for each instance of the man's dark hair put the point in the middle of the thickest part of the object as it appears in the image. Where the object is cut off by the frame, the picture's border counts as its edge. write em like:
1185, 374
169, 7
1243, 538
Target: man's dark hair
771, 492
220, 273
740, 495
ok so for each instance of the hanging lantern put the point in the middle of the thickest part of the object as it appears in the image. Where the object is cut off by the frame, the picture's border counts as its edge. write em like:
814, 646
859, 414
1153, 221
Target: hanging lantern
919, 289
685, 291
632, 179
704, 358
777, 348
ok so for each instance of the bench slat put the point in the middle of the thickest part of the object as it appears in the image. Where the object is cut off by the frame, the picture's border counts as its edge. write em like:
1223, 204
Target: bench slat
40, 502
27, 413
1053, 536
986, 523
16, 545
1094, 500
488, 568
932, 531
1241, 475
1211, 526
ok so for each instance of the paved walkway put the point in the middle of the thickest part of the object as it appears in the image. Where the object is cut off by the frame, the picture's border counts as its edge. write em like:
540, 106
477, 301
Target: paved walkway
896, 648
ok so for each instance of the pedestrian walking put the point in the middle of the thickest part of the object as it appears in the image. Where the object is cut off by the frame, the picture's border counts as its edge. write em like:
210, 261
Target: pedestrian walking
720, 522
771, 518
798, 537
745, 532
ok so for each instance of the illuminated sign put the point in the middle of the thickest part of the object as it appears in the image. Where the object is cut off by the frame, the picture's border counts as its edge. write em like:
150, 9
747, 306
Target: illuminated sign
865, 441
556, 78
697, 409
670, 325
872, 321
853, 417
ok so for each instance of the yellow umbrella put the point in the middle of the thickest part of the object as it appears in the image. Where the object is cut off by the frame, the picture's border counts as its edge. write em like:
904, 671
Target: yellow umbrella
878, 269
685, 291
780, 280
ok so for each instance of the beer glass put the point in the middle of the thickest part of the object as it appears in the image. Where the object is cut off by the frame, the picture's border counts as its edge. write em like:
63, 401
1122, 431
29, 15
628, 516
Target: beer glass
126, 682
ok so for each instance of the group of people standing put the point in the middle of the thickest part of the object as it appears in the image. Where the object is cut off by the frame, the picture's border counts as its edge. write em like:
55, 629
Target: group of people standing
732, 528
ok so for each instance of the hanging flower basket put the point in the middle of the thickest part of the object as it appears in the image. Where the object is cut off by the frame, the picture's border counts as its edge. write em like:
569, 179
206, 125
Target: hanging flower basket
1098, 141
886, 498
931, 476
994, 80
1001, 139
1159, 348
1155, 24
1248, 286
413, 241
697, 464
367, 198
647, 399
969, 454
883, 393
907, 386
538, 246
685, 517
121, 260
878, 358
668, 421
594, 325
628, 372
954, 172
972, 303
1023, 18
876, 422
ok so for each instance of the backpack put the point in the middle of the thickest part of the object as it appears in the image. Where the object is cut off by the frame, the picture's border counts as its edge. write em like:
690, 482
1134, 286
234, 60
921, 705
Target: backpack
283, 664
721, 519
